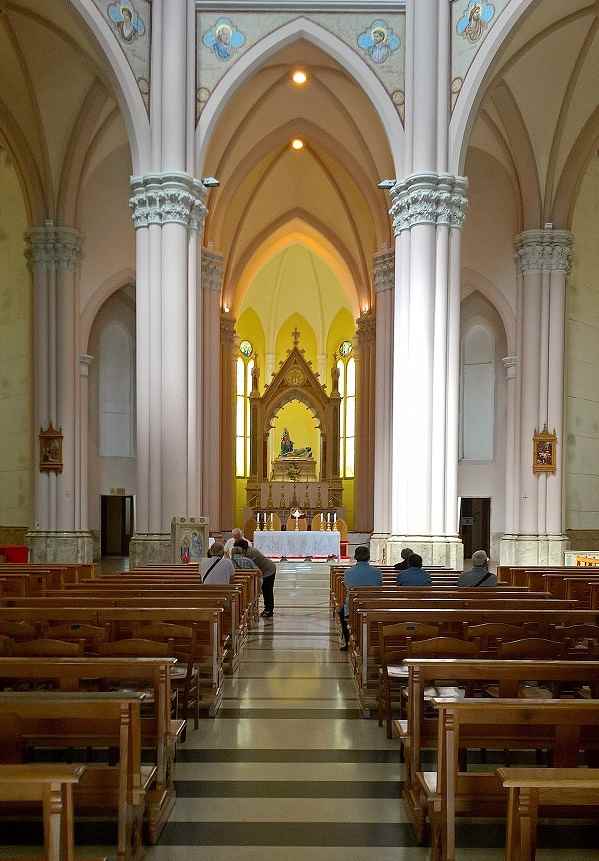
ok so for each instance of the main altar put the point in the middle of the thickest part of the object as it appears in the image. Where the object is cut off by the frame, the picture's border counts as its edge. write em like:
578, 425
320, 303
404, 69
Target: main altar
283, 477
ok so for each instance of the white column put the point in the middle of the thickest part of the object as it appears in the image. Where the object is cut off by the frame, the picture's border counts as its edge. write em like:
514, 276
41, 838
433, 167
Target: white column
85, 361
511, 364
544, 261
384, 280
212, 279
365, 414
229, 347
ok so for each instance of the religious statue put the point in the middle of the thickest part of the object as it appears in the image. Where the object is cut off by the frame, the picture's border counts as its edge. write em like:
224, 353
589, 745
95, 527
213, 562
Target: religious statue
288, 450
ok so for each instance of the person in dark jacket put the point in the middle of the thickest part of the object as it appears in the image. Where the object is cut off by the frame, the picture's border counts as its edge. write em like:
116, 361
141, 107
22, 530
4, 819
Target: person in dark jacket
414, 574
405, 555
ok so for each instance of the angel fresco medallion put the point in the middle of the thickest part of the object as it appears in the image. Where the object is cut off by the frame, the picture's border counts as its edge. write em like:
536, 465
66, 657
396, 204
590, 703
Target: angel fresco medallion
224, 39
379, 41
127, 21
475, 20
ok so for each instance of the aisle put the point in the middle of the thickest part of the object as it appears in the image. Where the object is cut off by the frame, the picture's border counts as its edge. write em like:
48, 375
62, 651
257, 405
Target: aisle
289, 771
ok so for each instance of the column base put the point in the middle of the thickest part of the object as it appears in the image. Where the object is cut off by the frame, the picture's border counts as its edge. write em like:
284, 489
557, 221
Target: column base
47, 546
446, 551
150, 548
378, 547
533, 549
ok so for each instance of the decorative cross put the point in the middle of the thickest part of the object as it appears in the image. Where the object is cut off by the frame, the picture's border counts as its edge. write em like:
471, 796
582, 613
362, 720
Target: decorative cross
296, 336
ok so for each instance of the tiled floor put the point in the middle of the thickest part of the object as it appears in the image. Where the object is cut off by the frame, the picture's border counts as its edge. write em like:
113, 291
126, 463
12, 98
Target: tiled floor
289, 771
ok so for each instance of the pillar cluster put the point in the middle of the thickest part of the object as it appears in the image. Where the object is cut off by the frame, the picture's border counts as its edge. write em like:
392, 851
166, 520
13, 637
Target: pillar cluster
534, 522
365, 353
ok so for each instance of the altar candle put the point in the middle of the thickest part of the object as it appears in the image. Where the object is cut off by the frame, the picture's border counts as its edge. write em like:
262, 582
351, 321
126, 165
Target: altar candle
271, 520
335, 517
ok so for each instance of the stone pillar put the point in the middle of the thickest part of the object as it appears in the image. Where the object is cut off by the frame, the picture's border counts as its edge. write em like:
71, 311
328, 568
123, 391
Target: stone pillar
85, 361
322, 362
229, 347
544, 258
212, 279
384, 281
167, 211
511, 453
365, 416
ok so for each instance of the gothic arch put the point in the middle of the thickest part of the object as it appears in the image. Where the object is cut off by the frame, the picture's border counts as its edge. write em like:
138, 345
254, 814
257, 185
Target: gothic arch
301, 28
111, 285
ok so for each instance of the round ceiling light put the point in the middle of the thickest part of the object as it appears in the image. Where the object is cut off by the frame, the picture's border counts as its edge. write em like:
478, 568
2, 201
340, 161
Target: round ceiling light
297, 144
299, 77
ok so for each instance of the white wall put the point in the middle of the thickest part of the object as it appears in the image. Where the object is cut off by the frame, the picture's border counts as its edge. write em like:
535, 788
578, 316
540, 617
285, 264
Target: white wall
487, 478
107, 470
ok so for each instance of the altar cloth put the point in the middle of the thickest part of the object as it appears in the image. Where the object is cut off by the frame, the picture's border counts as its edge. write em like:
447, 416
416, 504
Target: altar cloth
301, 543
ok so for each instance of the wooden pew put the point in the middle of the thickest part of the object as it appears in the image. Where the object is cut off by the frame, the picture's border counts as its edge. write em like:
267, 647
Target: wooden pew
419, 731
158, 731
564, 727
52, 786
60, 721
531, 788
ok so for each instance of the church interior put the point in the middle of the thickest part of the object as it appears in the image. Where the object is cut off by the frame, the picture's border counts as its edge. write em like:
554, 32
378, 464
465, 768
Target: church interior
321, 275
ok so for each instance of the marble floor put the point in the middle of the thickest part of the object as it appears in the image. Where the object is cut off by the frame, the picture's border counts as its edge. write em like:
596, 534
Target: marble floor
289, 771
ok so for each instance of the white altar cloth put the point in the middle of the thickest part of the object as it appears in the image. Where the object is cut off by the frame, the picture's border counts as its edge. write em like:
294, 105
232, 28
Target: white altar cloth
300, 543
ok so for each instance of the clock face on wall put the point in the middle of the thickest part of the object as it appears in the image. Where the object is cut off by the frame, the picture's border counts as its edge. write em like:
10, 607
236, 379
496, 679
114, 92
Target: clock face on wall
246, 349
345, 348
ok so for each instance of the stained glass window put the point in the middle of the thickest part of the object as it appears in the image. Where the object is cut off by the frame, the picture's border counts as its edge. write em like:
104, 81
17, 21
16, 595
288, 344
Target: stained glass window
243, 387
346, 365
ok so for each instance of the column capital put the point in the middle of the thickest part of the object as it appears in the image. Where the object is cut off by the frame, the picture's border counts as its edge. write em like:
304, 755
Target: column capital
227, 328
213, 264
383, 274
167, 198
544, 250
365, 328
85, 361
429, 198
511, 364
51, 246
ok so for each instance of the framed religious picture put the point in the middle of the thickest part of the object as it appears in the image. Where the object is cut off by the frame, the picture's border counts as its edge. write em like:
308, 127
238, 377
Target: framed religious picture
189, 538
51, 449
544, 452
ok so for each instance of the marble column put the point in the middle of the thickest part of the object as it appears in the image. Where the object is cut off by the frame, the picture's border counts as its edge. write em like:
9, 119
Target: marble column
384, 281
229, 347
53, 254
212, 279
85, 361
512, 459
364, 342
536, 535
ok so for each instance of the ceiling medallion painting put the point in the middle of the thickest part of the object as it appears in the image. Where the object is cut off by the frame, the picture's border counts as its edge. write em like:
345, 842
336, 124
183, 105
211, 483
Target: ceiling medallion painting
379, 41
131, 24
475, 20
224, 39
128, 22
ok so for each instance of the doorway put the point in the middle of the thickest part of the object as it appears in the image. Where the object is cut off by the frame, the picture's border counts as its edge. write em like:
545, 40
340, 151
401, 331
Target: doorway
475, 525
117, 525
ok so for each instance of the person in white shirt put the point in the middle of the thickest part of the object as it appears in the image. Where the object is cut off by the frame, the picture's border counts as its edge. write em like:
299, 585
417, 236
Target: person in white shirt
216, 570
235, 536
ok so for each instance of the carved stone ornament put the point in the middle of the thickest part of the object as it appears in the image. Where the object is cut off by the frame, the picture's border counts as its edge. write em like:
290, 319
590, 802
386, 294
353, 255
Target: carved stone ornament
429, 198
53, 247
384, 271
544, 251
167, 198
295, 377
212, 270
51, 449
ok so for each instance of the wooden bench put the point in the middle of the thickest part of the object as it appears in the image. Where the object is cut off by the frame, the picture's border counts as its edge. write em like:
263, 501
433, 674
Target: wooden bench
159, 731
532, 788
419, 731
60, 721
564, 727
52, 786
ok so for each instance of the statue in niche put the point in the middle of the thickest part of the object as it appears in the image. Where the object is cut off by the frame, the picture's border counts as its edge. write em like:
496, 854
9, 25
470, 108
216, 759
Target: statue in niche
287, 449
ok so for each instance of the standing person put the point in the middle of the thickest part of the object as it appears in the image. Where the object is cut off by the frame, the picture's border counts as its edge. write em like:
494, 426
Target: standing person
268, 570
360, 574
405, 555
480, 574
216, 570
236, 535
414, 574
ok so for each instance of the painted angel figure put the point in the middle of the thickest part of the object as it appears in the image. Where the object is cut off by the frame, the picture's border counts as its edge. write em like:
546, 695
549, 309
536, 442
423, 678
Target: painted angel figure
224, 38
129, 24
475, 20
379, 41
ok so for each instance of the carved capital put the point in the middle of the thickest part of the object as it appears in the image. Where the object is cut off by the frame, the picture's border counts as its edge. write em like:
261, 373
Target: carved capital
167, 198
429, 198
544, 250
227, 329
213, 265
85, 361
365, 328
511, 364
383, 275
53, 247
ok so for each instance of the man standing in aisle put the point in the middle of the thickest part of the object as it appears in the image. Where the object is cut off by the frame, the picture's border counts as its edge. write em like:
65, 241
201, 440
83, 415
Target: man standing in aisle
268, 570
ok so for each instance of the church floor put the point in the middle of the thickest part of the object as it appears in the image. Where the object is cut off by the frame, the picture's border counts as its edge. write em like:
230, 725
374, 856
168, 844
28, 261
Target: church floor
291, 772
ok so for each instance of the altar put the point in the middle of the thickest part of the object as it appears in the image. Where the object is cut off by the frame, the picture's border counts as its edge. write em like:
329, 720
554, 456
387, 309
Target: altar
298, 543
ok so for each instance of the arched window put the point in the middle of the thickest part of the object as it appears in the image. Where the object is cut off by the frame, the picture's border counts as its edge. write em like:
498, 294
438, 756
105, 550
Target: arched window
244, 368
346, 365
478, 395
116, 392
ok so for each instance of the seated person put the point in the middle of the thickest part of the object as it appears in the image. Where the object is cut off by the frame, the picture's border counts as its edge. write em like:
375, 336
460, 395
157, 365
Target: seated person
414, 575
217, 569
236, 535
241, 561
405, 555
360, 574
480, 574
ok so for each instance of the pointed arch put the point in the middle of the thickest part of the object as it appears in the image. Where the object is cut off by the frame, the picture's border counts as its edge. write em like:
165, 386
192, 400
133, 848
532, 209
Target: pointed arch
258, 54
